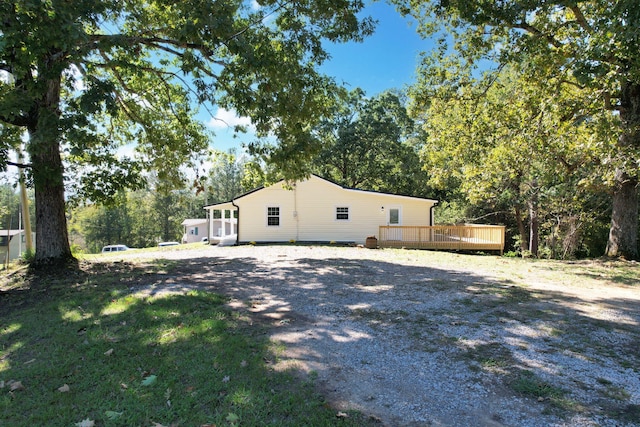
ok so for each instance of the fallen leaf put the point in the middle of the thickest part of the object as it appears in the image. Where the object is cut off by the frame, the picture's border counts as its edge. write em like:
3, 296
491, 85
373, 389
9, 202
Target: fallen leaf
226, 379
1, 384
86, 423
232, 418
113, 415
208, 425
64, 388
342, 415
15, 386
108, 352
149, 380
243, 363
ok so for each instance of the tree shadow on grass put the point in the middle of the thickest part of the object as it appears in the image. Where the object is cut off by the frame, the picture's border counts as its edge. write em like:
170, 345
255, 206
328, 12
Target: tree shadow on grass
124, 360
578, 353
410, 344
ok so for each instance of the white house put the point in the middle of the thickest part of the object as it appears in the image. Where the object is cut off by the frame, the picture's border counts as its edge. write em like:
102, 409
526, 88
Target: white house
315, 210
17, 244
194, 230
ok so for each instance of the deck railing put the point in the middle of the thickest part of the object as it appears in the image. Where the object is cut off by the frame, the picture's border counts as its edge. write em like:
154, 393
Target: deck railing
448, 237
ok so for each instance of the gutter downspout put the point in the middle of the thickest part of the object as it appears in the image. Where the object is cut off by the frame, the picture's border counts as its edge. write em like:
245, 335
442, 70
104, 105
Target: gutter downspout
237, 222
208, 226
295, 210
431, 213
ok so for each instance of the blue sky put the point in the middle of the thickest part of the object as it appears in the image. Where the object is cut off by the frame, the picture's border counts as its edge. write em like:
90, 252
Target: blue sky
385, 60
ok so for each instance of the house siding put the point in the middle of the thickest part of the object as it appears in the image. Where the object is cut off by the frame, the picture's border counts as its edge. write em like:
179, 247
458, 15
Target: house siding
308, 212
17, 245
253, 211
194, 230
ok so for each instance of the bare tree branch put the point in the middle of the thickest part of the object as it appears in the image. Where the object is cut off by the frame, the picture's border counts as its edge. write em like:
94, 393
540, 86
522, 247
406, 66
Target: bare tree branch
20, 165
533, 30
581, 19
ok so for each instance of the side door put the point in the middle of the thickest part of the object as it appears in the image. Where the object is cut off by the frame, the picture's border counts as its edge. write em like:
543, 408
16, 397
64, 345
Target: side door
394, 219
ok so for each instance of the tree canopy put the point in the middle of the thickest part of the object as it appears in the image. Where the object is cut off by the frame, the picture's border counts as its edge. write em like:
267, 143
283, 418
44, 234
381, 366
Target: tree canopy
589, 45
86, 77
510, 147
373, 144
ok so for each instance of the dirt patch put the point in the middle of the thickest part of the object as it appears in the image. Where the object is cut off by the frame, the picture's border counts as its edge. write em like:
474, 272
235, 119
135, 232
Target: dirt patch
423, 338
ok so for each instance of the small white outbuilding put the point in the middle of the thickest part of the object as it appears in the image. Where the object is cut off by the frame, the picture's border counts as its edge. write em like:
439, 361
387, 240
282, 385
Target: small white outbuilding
14, 242
194, 230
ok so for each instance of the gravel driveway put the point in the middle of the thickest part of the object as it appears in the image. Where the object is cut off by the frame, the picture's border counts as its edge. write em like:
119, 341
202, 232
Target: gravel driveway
418, 338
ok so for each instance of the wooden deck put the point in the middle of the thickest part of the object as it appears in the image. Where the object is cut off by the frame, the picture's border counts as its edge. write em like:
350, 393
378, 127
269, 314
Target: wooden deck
446, 237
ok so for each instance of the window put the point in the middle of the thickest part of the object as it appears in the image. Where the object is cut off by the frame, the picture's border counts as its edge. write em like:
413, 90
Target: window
394, 216
195, 230
342, 214
273, 216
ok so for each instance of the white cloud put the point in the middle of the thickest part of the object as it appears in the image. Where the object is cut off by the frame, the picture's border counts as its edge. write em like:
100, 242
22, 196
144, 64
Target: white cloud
227, 118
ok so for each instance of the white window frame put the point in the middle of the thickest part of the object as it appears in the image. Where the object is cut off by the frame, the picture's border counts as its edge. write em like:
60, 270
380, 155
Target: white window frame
336, 213
399, 209
273, 216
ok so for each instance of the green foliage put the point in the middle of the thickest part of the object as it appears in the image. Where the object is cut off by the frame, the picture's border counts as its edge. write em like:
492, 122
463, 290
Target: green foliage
92, 77
137, 219
453, 212
9, 207
226, 177
511, 147
371, 143
102, 354
528, 384
588, 48
28, 256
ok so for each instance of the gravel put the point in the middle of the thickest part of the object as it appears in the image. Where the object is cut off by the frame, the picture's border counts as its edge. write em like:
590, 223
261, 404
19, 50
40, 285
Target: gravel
415, 339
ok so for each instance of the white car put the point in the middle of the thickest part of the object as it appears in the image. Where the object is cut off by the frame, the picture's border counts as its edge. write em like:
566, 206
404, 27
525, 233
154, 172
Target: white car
114, 248
162, 244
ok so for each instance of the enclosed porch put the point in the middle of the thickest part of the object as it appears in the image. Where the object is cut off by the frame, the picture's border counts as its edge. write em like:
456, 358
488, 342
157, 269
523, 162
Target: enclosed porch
223, 223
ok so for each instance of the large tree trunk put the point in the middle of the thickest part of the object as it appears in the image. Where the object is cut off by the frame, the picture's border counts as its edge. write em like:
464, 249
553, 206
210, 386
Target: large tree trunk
52, 239
623, 235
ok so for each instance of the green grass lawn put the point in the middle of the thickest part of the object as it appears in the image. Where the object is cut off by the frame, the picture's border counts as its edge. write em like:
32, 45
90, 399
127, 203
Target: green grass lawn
83, 350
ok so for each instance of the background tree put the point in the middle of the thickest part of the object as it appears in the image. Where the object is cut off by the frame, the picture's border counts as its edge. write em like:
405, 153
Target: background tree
372, 144
590, 45
84, 77
138, 219
10, 207
97, 226
515, 146
226, 176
